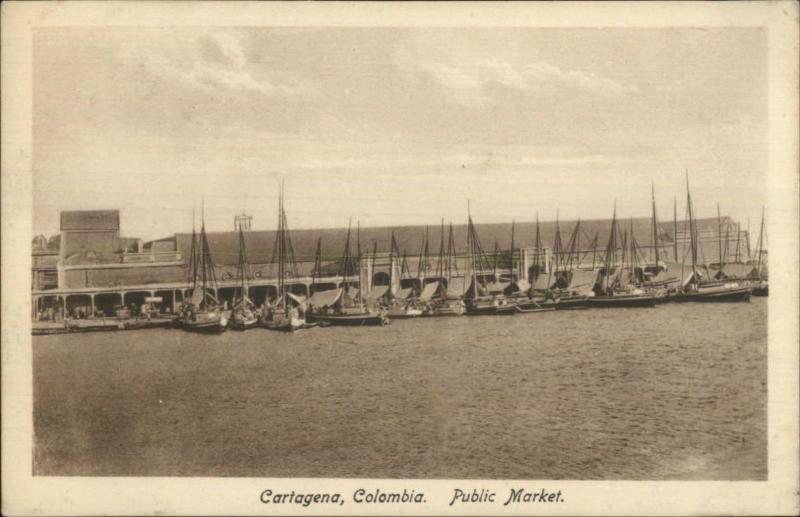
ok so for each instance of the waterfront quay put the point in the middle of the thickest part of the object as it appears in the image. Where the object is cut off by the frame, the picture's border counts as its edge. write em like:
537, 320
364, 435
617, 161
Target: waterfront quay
90, 269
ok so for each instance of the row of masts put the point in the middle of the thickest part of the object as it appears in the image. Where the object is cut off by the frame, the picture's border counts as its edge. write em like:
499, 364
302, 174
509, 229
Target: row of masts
622, 251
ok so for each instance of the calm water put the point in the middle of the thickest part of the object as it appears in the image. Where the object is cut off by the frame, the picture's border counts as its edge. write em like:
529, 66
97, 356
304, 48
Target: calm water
676, 392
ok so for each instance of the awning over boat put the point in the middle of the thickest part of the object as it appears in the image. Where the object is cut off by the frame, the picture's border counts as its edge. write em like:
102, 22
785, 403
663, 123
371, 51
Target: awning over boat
543, 282
404, 293
297, 298
497, 287
429, 290
663, 278
377, 292
455, 288
197, 296
740, 271
583, 280
325, 298
352, 292
518, 286
690, 277
247, 302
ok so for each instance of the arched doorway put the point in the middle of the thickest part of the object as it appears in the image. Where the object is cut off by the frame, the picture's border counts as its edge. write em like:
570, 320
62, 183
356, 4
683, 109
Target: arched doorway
106, 304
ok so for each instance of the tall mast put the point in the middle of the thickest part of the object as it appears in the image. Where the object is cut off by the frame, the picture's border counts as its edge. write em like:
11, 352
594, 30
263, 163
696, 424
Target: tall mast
654, 242
675, 228
494, 263
281, 298
557, 243
193, 255
611, 248
451, 253
632, 246
346, 259
513, 252
471, 247
692, 232
243, 269
440, 267
747, 241
392, 246
317, 264
760, 243
204, 249
537, 247
422, 266
719, 238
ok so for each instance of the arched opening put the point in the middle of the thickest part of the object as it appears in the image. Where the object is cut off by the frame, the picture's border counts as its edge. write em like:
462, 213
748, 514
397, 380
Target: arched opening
168, 301
226, 295
380, 278
413, 283
323, 286
79, 306
106, 304
258, 294
299, 290
135, 299
49, 308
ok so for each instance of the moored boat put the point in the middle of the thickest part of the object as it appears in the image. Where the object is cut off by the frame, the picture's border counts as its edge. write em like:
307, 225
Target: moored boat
202, 312
478, 299
288, 313
338, 306
243, 314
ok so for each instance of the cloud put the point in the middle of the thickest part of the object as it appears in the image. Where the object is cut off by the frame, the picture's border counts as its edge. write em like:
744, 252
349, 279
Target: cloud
224, 78
467, 84
216, 62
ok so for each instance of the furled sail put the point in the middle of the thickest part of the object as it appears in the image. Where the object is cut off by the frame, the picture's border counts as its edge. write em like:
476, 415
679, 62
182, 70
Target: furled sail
428, 291
325, 298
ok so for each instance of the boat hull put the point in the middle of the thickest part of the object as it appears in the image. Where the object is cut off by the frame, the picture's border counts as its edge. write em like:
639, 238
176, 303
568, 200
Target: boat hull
532, 306
623, 301
349, 320
490, 308
285, 324
403, 313
761, 289
454, 309
715, 295
203, 327
203, 322
242, 325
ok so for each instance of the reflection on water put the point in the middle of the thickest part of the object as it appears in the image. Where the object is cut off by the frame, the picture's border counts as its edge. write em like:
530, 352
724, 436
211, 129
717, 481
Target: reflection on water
677, 392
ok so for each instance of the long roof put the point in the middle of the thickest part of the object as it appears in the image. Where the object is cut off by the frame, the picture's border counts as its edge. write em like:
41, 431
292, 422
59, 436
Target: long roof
224, 246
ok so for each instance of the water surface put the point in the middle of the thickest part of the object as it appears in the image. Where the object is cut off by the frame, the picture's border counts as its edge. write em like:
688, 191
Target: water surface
675, 392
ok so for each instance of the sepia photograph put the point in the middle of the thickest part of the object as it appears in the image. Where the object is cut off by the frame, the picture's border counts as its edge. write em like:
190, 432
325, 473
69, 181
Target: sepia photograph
402, 252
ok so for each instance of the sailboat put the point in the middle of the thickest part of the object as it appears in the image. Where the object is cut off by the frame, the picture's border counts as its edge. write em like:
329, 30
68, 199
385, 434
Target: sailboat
619, 286
287, 314
244, 315
696, 288
478, 300
447, 297
552, 288
656, 274
761, 283
402, 302
202, 312
345, 305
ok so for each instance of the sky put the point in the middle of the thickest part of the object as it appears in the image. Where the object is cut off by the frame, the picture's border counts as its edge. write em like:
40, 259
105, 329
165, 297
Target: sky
395, 126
